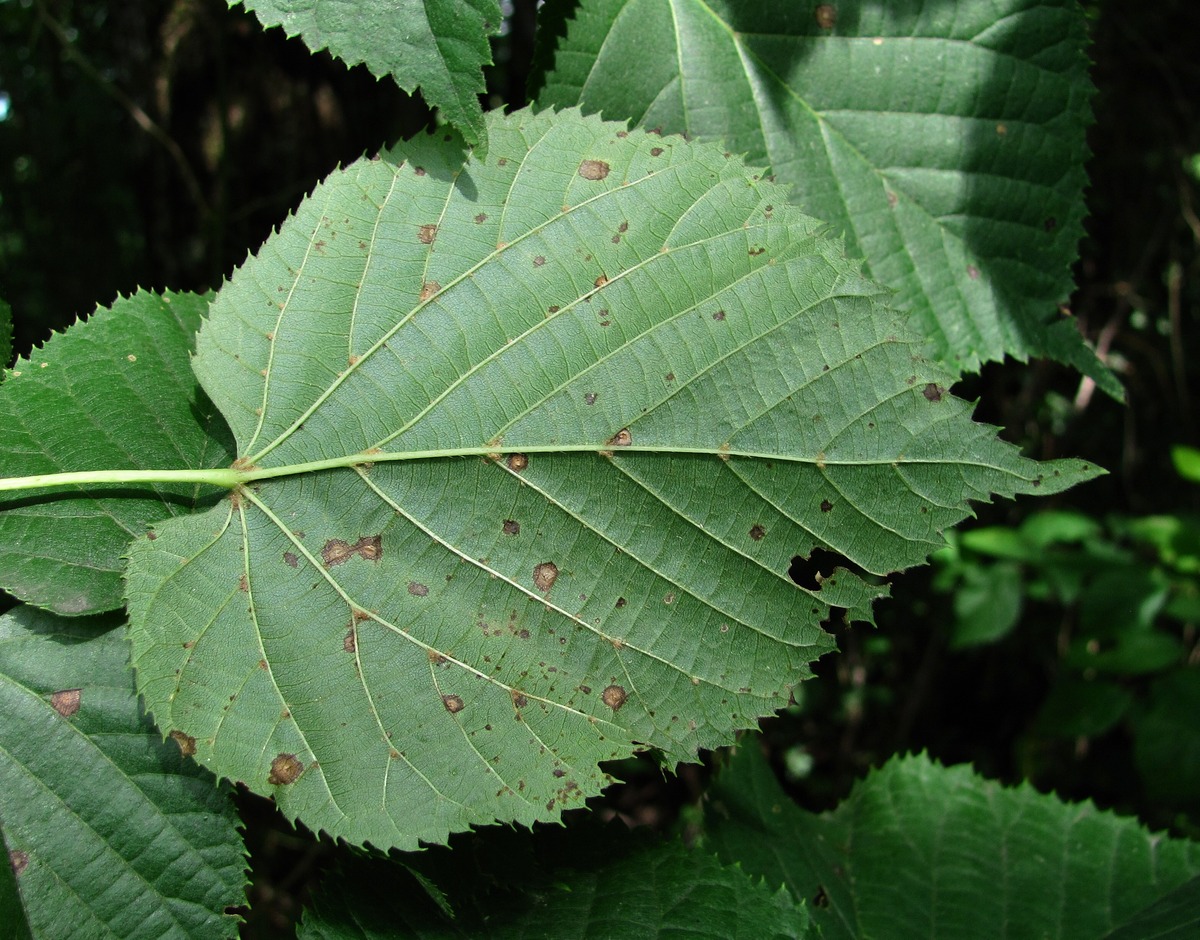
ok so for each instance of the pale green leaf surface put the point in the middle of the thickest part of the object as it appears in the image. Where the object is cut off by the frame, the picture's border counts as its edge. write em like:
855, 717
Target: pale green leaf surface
921, 850
439, 45
945, 140
114, 392
585, 882
693, 390
112, 832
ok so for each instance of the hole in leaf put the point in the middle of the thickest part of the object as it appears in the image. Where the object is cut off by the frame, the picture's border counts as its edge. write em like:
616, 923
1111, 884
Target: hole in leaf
810, 572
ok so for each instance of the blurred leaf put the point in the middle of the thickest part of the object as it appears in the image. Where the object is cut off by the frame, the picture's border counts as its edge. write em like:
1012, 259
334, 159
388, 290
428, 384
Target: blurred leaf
944, 140
1175, 916
1129, 652
1080, 708
114, 392
1175, 538
440, 46
1122, 599
1187, 462
987, 604
113, 833
397, 632
1057, 527
919, 850
585, 883
1167, 738
998, 542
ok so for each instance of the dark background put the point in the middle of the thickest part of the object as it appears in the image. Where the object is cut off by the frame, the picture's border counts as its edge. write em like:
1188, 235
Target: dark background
155, 144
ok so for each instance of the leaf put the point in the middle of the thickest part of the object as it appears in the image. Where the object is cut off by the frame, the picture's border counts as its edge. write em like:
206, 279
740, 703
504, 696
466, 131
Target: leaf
110, 831
585, 882
920, 850
14, 925
439, 45
945, 140
399, 633
116, 391
1175, 916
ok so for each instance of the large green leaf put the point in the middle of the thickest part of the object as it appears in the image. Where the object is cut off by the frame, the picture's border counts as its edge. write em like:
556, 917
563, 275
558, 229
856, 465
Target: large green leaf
920, 850
400, 633
111, 833
114, 392
945, 140
575, 883
439, 45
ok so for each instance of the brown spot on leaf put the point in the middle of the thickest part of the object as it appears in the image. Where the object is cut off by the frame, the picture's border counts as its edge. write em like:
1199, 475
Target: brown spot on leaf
427, 234
420, 170
621, 439
972, 272
614, 697
544, 575
454, 704
187, 744
66, 702
435, 657
517, 462
512, 527
19, 861
826, 14
757, 532
826, 505
338, 551
754, 252
428, 289
670, 376
1001, 130
553, 308
590, 398
656, 151
481, 218
932, 392
285, 769
892, 199
539, 261
350, 641
593, 169
623, 227
601, 280
621, 602
719, 315
518, 699
243, 584
290, 559
416, 589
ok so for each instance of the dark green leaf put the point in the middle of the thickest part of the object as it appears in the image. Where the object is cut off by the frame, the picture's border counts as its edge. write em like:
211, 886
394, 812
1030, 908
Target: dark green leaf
1175, 916
945, 140
918, 850
585, 883
1167, 738
14, 925
112, 833
114, 392
439, 45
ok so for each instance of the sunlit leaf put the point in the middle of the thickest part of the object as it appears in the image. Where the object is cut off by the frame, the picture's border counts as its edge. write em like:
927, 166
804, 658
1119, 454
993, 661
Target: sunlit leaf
945, 140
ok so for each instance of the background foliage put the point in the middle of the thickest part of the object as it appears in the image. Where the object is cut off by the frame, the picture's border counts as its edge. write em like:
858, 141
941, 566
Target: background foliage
133, 152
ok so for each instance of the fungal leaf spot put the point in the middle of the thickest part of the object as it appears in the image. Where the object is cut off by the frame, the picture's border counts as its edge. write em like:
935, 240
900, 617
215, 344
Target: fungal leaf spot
757, 532
187, 744
593, 169
544, 575
517, 462
416, 589
454, 704
621, 439
427, 234
339, 551
614, 697
285, 769
66, 702
933, 392
512, 527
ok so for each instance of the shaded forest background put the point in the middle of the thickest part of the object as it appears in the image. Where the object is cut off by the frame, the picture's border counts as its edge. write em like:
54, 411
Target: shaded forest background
156, 144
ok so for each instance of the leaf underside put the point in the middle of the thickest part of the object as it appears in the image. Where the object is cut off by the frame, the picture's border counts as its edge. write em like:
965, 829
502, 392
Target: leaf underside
685, 393
116, 391
440, 46
581, 883
944, 140
111, 833
921, 850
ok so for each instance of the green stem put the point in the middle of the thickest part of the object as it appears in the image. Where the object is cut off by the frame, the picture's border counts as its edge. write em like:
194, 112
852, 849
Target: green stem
223, 477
